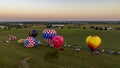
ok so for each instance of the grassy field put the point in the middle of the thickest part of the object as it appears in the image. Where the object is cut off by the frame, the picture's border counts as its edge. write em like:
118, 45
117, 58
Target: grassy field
12, 53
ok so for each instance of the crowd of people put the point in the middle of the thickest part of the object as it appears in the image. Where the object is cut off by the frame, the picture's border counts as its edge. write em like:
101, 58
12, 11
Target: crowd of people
98, 51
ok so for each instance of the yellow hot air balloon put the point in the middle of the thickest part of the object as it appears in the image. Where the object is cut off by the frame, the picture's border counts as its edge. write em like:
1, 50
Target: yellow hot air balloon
21, 41
93, 42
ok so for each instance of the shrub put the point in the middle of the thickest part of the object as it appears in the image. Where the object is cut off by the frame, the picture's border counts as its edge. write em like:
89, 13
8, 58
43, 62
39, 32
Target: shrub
51, 55
84, 28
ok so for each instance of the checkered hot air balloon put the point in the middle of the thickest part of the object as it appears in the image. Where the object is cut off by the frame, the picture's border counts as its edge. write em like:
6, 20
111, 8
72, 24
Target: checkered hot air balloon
12, 38
47, 34
31, 42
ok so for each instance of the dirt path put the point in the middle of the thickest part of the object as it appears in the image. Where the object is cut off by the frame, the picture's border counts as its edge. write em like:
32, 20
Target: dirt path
24, 62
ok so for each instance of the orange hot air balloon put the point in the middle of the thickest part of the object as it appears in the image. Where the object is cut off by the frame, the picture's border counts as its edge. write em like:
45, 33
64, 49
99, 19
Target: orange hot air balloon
93, 42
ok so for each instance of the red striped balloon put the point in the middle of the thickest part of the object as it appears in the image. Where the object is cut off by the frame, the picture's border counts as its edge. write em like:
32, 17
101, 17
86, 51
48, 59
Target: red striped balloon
12, 38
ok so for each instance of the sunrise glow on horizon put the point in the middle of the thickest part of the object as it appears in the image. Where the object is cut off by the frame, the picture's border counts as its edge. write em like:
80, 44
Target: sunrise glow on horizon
52, 10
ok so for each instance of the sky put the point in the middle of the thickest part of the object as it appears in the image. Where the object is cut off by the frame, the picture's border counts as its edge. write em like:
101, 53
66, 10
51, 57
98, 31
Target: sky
59, 10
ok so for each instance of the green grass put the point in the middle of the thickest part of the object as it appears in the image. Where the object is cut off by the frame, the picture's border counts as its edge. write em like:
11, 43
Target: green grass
11, 53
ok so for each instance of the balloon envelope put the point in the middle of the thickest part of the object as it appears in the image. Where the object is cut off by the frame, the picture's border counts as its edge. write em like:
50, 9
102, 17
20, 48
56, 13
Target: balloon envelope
12, 38
31, 42
93, 42
48, 34
21, 41
57, 41
33, 33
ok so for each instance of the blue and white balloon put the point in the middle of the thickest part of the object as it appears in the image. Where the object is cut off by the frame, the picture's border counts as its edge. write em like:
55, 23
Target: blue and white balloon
31, 42
48, 34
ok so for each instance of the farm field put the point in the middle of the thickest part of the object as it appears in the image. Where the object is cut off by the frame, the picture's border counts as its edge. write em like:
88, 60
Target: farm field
12, 53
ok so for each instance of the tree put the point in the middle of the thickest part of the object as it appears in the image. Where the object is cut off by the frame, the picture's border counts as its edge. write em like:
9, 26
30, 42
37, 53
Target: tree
92, 27
49, 26
84, 27
51, 55
9, 28
96, 28
69, 27
5, 28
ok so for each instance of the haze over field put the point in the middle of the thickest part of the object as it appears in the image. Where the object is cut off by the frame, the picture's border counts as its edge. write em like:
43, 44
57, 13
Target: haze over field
52, 10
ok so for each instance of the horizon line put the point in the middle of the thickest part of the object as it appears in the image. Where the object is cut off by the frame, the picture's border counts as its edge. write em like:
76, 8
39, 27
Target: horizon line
50, 20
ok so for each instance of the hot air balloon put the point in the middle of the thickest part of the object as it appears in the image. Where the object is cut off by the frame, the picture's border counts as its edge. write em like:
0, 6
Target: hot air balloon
93, 42
57, 41
11, 38
21, 41
33, 33
48, 34
31, 42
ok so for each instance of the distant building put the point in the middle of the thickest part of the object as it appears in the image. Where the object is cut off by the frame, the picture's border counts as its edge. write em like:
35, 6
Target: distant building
107, 28
58, 26
21, 24
1, 26
103, 28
